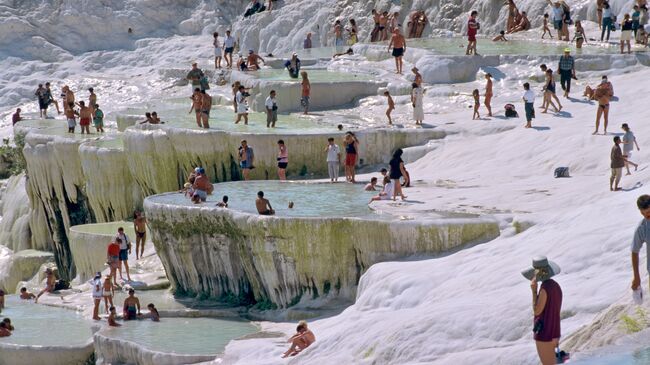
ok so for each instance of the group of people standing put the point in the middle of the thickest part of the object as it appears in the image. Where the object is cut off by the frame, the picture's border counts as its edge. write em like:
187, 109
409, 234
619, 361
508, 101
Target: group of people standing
87, 112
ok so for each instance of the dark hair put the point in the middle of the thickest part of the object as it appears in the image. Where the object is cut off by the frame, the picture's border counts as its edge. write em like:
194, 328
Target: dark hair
131, 291
340, 127
502, 32
82, 103
474, 12
147, 114
97, 106
90, 89
197, 89
150, 305
386, 92
643, 202
617, 139
225, 198
330, 139
118, 240
526, 86
23, 289
154, 113
398, 153
625, 126
260, 194
215, 34
414, 85
281, 141
383, 169
543, 65
353, 22
112, 308
545, 15
300, 327
373, 179
120, 229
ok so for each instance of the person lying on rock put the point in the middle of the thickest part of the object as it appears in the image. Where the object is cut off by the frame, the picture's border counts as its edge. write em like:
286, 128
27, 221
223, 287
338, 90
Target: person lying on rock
303, 338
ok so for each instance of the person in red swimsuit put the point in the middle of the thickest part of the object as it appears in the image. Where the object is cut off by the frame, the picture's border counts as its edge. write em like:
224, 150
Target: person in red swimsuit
547, 304
85, 116
472, 27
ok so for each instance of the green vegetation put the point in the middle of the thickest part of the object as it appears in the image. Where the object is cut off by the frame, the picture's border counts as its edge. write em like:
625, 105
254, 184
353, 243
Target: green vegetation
635, 323
12, 161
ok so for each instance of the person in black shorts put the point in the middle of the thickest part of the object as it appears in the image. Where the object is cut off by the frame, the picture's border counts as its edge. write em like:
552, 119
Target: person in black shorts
397, 170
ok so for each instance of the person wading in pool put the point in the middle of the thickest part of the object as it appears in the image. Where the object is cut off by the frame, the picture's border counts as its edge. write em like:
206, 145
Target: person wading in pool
125, 250
472, 28
131, 307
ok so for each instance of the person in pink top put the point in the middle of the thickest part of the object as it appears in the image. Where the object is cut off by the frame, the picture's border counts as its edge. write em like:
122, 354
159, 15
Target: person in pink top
547, 304
472, 28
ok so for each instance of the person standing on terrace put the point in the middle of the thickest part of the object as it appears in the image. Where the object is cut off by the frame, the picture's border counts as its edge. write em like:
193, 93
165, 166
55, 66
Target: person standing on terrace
374, 35
333, 160
246, 158
15, 118
283, 160
351, 155
125, 249
398, 42
567, 71
307, 44
194, 76
472, 28
140, 227
306, 92
206, 106
228, 48
338, 34
218, 49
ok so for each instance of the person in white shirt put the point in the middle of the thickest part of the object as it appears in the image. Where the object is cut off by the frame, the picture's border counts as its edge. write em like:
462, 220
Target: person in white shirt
271, 110
333, 159
242, 105
97, 293
529, 100
125, 250
387, 192
228, 48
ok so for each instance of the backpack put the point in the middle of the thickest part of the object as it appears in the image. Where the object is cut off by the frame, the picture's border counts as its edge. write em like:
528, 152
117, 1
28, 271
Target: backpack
510, 111
61, 284
562, 172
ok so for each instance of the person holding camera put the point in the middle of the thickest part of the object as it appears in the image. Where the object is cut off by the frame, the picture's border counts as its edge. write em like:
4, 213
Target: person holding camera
271, 110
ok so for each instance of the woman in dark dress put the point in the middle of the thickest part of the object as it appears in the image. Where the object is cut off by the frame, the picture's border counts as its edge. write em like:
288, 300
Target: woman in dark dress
396, 172
547, 304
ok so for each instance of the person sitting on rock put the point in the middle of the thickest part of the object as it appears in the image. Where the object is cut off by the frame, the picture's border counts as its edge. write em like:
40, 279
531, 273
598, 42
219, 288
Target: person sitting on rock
111, 318
263, 205
303, 338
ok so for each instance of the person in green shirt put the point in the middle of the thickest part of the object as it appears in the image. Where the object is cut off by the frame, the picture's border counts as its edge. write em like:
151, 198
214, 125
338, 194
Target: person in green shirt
98, 119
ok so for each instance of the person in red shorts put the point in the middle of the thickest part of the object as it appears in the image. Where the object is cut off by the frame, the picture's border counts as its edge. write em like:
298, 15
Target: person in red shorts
85, 116
351, 144
472, 27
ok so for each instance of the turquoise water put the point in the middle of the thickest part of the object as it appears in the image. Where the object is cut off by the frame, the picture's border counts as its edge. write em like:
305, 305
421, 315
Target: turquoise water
223, 118
313, 74
42, 325
105, 229
458, 45
195, 336
319, 52
310, 199
639, 357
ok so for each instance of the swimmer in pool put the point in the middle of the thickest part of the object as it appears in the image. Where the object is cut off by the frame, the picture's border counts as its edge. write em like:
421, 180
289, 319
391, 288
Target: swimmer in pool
131, 303
153, 312
224, 202
8, 325
263, 205
111, 318
25, 295
4, 331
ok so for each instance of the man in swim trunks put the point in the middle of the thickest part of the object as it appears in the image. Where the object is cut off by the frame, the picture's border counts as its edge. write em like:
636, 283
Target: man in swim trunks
246, 158
131, 307
383, 22
263, 205
602, 94
42, 102
140, 227
472, 28
206, 105
253, 60
85, 116
228, 48
49, 98
197, 98
201, 186
398, 42
50, 280
374, 35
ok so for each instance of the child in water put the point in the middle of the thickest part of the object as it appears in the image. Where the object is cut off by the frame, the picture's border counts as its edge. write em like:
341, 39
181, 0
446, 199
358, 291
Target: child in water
477, 103
111, 318
224, 202
153, 312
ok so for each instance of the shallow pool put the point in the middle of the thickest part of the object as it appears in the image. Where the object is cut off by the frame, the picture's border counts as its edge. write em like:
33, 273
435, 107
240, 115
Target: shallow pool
195, 336
42, 325
318, 52
638, 357
315, 75
223, 118
106, 229
310, 199
458, 45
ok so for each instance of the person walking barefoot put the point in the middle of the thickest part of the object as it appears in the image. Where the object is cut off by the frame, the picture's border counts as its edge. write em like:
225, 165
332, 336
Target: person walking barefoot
398, 43
629, 141
602, 94
418, 103
488, 93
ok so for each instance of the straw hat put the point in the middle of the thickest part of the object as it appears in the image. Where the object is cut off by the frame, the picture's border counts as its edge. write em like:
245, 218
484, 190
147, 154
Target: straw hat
543, 268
